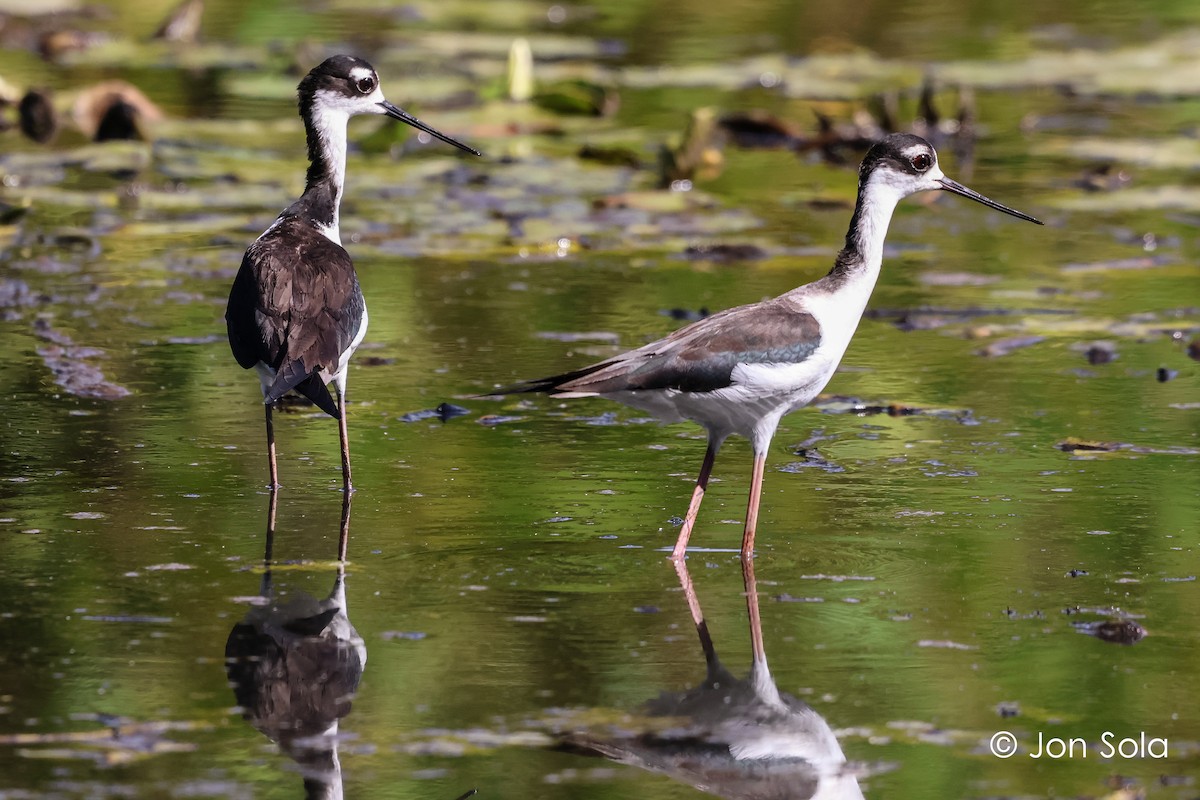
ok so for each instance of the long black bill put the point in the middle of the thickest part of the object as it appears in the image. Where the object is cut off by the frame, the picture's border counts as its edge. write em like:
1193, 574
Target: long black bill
958, 188
395, 112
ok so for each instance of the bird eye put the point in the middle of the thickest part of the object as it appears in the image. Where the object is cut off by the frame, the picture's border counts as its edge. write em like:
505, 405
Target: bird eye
366, 85
921, 162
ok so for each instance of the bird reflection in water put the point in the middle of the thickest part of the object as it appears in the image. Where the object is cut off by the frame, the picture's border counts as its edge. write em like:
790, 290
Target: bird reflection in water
735, 738
295, 666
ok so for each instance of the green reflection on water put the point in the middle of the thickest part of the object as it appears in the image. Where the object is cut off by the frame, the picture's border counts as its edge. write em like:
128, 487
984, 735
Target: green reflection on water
500, 574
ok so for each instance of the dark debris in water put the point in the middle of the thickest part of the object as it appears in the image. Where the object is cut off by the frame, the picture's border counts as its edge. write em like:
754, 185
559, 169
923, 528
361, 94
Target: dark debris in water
812, 460
1084, 446
71, 367
37, 117
843, 404
757, 128
1164, 374
1012, 613
1098, 353
930, 317
611, 156
1073, 445
685, 314
724, 253
403, 636
1003, 347
1117, 631
444, 411
1008, 709
119, 742
498, 419
375, 361
1107, 177
15, 293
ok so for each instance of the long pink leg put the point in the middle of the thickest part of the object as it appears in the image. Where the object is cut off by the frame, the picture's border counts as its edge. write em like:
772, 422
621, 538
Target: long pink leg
344, 435
271, 450
689, 592
693, 601
760, 463
756, 637
689, 521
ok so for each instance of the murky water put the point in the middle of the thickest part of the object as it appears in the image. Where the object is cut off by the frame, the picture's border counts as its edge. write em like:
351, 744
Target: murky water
925, 578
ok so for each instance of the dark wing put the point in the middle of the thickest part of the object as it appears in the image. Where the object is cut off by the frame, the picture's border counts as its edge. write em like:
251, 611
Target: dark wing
699, 357
245, 338
295, 306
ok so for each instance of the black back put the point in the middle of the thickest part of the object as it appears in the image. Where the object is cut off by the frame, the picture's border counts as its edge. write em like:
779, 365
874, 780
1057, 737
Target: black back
295, 306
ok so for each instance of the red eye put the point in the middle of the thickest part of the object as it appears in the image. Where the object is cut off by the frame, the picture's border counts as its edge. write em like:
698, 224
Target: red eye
922, 162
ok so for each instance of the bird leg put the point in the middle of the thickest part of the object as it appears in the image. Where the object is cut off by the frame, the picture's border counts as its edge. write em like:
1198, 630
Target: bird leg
689, 593
689, 521
756, 637
344, 530
269, 546
347, 486
693, 601
756, 479
271, 451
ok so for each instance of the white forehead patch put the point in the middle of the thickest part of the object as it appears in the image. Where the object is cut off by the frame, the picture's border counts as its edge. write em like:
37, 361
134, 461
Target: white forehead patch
358, 73
916, 150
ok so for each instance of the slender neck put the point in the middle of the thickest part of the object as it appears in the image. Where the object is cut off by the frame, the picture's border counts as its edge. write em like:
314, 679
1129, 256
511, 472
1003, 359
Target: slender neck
862, 257
325, 129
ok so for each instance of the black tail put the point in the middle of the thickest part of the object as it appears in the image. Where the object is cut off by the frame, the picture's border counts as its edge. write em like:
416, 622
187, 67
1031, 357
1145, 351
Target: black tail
310, 385
551, 384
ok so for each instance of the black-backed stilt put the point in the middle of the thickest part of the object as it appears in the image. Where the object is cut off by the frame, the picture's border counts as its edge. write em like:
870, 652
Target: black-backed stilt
741, 370
296, 312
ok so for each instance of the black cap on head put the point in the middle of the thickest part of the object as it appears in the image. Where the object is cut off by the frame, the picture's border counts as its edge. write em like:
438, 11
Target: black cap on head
339, 66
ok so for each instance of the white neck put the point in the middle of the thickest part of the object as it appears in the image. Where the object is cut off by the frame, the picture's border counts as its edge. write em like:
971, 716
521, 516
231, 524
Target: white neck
327, 173
876, 204
330, 125
839, 299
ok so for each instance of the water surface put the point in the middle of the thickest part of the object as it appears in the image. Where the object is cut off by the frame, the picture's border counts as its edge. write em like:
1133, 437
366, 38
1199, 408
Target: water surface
924, 579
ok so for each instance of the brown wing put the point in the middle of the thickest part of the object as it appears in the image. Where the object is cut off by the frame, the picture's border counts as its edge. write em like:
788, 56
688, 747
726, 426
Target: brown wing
295, 304
699, 357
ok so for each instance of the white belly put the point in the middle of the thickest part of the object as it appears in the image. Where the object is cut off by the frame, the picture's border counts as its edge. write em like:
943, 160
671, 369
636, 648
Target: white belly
761, 394
344, 362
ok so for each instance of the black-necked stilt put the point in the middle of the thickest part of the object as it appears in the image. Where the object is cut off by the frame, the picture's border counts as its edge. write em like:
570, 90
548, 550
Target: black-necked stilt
731, 737
740, 370
296, 312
